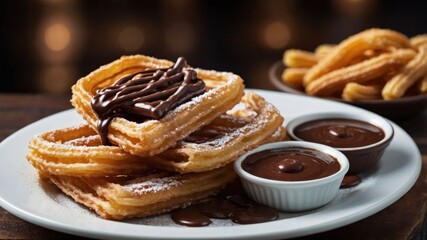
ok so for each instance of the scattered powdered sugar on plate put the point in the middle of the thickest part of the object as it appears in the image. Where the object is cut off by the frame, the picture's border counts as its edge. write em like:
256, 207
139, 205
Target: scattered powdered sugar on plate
56, 196
347, 193
166, 220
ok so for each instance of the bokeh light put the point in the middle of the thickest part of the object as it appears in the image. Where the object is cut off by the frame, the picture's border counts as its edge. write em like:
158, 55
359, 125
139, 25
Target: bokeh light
131, 38
57, 37
180, 37
56, 79
276, 34
354, 8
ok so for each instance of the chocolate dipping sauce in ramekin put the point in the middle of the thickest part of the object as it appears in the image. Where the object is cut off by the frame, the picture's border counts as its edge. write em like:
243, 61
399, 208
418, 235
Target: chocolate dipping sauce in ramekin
362, 137
292, 176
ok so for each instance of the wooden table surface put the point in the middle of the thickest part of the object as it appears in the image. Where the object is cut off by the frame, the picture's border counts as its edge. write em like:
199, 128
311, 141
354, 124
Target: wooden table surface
402, 220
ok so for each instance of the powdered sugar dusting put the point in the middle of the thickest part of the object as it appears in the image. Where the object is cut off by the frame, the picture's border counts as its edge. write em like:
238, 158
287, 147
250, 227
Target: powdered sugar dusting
83, 141
243, 110
248, 129
278, 133
201, 98
348, 193
153, 185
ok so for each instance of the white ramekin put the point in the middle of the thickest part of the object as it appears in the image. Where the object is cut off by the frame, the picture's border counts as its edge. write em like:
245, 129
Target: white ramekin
360, 158
293, 196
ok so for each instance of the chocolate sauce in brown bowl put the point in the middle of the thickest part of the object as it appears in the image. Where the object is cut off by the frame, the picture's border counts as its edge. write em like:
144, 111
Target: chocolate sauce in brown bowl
339, 132
291, 164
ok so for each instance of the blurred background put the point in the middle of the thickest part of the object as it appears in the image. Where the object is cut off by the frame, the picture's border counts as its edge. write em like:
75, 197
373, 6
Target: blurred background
46, 45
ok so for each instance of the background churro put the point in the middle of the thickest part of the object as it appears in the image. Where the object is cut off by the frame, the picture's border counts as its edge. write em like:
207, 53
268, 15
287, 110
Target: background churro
372, 64
299, 58
294, 76
414, 70
364, 71
356, 92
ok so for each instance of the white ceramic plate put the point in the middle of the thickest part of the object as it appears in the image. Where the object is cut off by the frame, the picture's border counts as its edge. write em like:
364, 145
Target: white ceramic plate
22, 194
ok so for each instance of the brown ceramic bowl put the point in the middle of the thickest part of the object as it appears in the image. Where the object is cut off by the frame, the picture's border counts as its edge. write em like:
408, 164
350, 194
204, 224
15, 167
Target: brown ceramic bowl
394, 109
361, 158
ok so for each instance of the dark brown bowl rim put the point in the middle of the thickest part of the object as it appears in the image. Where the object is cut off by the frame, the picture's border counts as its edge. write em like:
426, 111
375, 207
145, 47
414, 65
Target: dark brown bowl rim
325, 115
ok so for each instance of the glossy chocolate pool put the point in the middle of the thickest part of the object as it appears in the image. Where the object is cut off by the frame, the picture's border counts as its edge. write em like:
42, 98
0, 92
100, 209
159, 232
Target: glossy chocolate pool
291, 164
339, 132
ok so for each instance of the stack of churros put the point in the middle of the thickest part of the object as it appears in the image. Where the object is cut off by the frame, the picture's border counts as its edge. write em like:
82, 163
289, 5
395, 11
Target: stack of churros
373, 64
158, 136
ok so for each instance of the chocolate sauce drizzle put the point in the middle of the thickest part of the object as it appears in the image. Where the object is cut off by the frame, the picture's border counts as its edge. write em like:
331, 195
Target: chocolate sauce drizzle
147, 94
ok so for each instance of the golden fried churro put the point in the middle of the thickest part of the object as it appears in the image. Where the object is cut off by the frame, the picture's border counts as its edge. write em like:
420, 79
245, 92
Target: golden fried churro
358, 92
159, 192
414, 70
153, 136
250, 124
373, 68
294, 76
365, 56
78, 151
324, 49
422, 85
353, 47
299, 59
418, 40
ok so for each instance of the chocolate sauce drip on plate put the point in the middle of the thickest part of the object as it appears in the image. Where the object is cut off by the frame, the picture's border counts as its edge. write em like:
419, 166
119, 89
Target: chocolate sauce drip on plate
350, 181
255, 214
191, 218
237, 207
232, 203
147, 94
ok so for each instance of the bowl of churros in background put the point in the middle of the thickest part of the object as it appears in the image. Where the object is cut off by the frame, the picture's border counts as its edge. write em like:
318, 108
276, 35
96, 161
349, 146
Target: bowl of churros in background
380, 70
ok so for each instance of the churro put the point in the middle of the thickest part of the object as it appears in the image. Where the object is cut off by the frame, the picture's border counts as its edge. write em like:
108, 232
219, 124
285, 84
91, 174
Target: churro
140, 196
362, 72
418, 40
294, 76
422, 85
158, 136
152, 136
358, 92
250, 124
299, 59
413, 71
387, 58
77, 151
355, 46
324, 49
